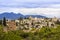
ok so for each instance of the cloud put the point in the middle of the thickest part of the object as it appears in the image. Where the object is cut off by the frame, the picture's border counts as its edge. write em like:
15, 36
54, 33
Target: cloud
48, 8
29, 3
49, 12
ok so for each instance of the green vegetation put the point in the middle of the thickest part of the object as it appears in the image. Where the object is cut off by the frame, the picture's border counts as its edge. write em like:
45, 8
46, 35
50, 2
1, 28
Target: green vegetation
44, 33
4, 21
0, 22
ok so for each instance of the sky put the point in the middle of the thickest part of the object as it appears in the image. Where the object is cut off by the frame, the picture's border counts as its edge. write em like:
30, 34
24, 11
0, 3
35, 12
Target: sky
49, 8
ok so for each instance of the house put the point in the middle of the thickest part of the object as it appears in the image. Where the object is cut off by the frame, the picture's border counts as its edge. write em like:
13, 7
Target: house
11, 25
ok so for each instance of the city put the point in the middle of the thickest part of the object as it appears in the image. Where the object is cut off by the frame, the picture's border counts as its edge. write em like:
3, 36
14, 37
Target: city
27, 24
29, 19
27, 28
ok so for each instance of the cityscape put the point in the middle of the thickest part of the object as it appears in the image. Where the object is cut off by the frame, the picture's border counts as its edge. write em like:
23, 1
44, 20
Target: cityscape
29, 19
30, 23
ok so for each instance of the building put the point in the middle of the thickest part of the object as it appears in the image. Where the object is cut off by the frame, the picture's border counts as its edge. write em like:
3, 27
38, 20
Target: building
11, 25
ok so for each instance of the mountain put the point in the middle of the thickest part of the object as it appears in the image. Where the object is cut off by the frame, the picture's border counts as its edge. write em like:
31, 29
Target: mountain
12, 15
38, 16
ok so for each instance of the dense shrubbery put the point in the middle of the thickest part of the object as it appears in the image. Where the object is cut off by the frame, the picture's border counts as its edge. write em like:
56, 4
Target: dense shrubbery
0, 22
44, 33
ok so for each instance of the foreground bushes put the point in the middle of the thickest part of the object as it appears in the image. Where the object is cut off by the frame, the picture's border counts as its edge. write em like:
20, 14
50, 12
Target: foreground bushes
44, 33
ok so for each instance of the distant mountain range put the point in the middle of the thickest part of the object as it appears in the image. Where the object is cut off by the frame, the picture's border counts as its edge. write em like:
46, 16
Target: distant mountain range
38, 16
12, 15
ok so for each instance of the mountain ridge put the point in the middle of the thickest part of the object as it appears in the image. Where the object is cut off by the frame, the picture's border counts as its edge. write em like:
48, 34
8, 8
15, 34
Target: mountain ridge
12, 15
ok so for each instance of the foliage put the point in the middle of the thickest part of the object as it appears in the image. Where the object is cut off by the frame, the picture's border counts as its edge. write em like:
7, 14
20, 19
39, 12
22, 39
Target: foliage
0, 22
44, 33
4, 21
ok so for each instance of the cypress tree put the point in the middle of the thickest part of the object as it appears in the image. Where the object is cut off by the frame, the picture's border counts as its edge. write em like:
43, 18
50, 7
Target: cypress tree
4, 21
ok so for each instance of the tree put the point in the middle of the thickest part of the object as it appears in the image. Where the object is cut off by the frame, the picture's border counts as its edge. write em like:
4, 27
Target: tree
4, 21
21, 18
58, 22
0, 22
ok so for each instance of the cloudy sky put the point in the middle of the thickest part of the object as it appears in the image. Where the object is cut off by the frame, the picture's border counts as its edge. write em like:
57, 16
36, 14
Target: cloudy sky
48, 8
